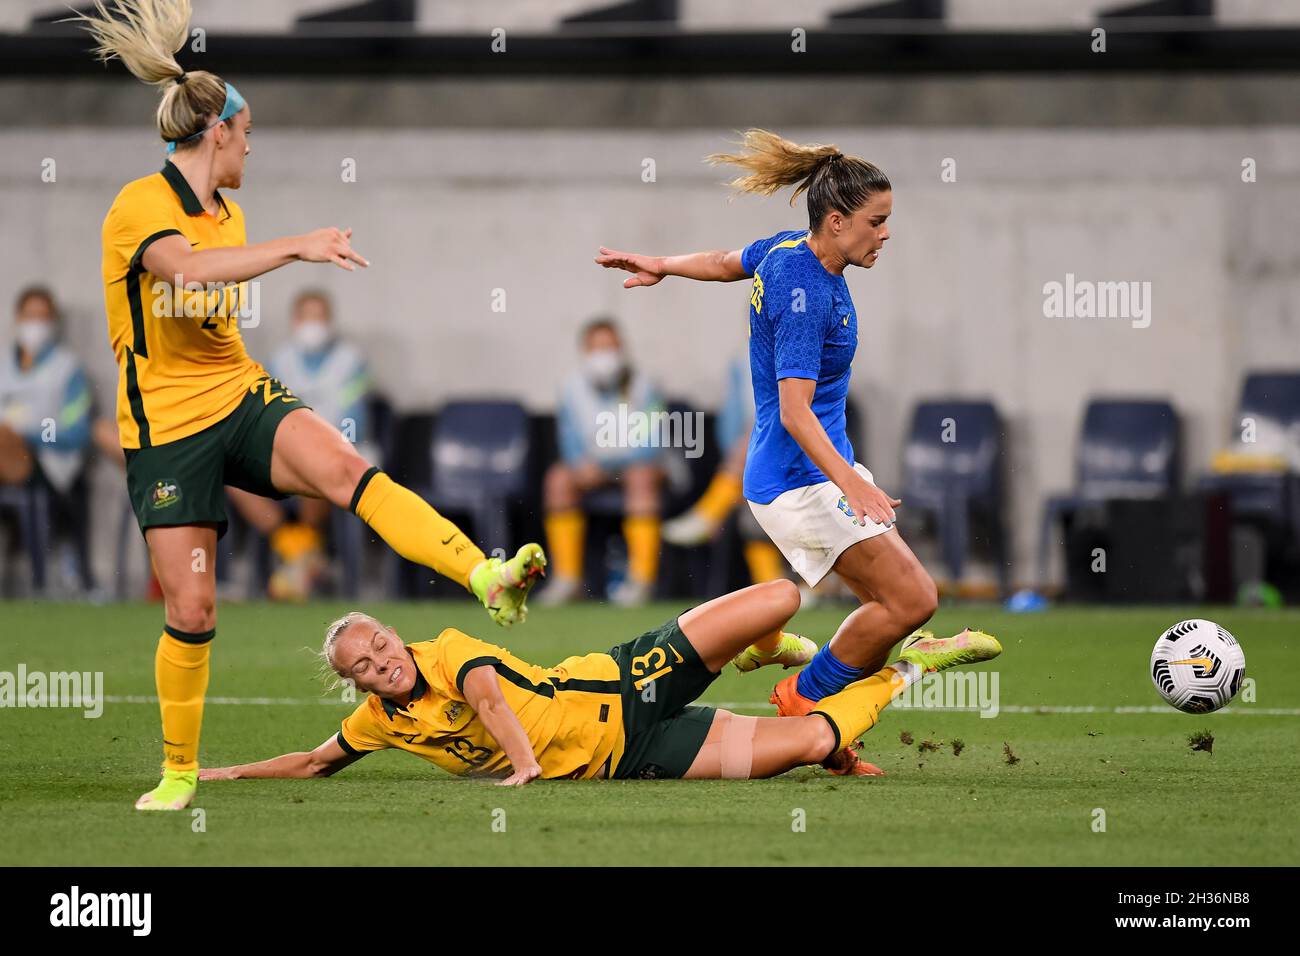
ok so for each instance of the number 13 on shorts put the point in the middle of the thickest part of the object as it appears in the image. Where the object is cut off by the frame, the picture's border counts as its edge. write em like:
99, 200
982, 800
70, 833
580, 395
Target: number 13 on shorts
655, 662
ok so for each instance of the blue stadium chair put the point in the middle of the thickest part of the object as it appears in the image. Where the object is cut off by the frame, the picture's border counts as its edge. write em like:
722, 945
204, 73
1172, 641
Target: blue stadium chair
952, 462
36, 508
1272, 401
31, 504
1128, 449
479, 455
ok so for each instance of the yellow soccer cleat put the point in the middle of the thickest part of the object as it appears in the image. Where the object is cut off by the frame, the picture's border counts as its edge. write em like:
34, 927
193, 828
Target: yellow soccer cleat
503, 586
174, 793
932, 653
793, 651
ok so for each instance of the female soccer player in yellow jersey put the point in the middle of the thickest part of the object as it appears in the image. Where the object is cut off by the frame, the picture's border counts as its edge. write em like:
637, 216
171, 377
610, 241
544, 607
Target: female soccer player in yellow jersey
473, 708
194, 412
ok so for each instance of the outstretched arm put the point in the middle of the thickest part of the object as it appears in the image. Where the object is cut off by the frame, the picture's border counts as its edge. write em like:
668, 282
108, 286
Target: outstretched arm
171, 256
716, 266
483, 694
329, 758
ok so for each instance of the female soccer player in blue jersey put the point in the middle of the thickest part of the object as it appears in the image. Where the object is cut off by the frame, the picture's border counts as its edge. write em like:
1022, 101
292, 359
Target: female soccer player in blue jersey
816, 503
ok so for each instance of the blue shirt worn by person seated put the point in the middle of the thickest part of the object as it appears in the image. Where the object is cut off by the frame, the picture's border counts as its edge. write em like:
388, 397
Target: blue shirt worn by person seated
801, 325
605, 425
49, 404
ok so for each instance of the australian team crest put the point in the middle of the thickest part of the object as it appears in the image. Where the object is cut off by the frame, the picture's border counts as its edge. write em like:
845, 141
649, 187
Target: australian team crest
165, 494
453, 711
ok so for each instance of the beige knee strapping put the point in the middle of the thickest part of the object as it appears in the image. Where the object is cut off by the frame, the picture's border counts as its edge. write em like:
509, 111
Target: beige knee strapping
737, 746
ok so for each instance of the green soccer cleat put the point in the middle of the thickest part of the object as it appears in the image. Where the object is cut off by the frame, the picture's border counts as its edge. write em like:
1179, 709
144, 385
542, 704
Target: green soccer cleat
793, 651
932, 653
503, 586
174, 793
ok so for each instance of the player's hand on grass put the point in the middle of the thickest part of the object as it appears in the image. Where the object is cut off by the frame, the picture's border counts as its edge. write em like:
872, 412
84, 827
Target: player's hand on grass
646, 270
522, 776
217, 773
869, 502
331, 245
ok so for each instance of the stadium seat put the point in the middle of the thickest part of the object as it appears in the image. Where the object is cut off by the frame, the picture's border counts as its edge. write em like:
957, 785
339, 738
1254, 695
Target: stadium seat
30, 503
1128, 450
480, 457
40, 514
471, 459
952, 462
1268, 500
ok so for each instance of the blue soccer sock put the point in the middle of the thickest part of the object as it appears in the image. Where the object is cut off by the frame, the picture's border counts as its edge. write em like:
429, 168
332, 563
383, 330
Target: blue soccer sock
826, 674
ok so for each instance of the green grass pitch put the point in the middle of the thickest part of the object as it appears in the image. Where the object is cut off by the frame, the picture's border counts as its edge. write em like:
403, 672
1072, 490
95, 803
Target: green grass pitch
68, 782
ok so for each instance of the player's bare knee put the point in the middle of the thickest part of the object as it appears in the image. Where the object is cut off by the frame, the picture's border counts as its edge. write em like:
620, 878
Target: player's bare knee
784, 595
916, 604
351, 468
642, 479
194, 613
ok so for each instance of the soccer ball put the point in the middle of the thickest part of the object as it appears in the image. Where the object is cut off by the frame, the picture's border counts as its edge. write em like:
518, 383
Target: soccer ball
1197, 666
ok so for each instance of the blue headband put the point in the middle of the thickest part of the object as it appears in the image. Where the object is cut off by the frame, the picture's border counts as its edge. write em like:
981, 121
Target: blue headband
234, 103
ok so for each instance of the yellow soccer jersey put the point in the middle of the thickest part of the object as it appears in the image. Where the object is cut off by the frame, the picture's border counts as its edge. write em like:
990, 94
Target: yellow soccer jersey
182, 365
572, 713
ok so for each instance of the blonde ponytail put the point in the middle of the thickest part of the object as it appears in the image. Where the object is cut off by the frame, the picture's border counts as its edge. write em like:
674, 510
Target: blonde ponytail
145, 35
831, 179
774, 162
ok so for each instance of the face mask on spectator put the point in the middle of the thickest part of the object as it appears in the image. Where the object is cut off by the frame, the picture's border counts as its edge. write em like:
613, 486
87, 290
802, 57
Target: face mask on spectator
312, 335
33, 335
603, 367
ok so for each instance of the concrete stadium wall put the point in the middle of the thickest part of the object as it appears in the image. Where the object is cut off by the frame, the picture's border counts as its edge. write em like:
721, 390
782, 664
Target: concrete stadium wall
954, 307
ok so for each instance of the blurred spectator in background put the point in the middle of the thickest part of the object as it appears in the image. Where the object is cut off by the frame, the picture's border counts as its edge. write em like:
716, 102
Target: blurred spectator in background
606, 391
330, 375
703, 520
45, 408
45, 400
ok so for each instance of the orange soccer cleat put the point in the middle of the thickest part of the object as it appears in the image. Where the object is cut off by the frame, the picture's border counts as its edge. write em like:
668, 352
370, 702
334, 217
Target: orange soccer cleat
844, 763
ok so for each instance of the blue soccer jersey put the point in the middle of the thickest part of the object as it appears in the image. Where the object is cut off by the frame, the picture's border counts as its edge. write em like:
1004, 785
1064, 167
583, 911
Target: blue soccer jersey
801, 325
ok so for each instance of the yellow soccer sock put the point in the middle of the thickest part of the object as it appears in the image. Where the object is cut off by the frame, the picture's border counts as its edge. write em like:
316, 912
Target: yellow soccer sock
642, 535
566, 536
768, 644
719, 498
854, 710
411, 527
764, 561
180, 668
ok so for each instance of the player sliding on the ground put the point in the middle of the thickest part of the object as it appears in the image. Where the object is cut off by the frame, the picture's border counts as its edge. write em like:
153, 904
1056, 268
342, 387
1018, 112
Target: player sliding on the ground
820, 507
194, 412
474, 708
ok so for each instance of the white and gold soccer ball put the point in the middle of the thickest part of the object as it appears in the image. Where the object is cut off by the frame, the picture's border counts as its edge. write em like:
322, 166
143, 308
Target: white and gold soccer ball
1197, 666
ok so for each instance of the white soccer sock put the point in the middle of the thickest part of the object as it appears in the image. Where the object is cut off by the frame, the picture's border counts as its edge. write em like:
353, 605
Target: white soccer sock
910, 672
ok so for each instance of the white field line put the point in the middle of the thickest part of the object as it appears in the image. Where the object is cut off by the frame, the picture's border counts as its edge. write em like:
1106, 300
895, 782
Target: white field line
751, 705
